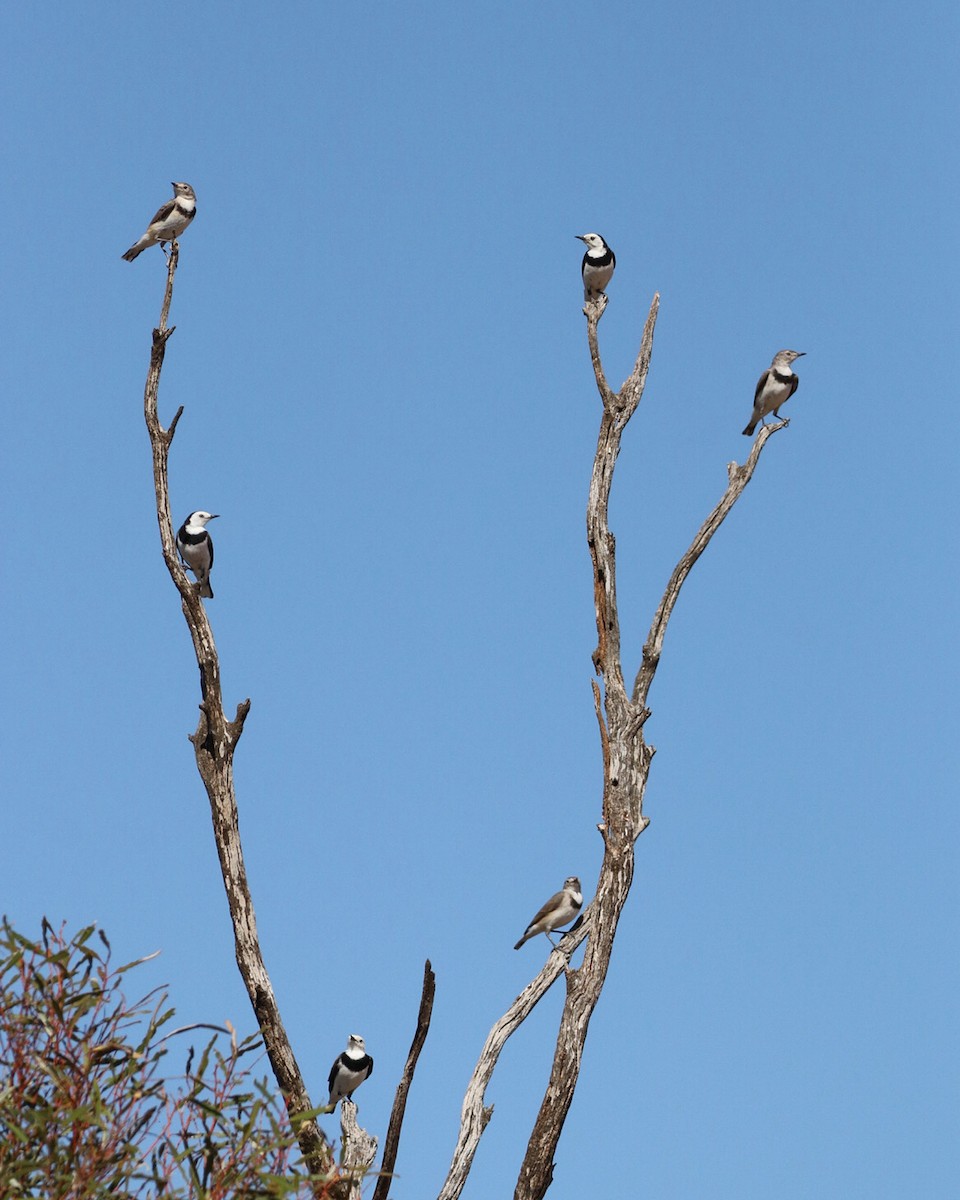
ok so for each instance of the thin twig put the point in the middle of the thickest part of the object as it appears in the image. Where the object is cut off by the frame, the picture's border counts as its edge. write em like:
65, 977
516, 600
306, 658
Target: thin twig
392, 1143
189, 1029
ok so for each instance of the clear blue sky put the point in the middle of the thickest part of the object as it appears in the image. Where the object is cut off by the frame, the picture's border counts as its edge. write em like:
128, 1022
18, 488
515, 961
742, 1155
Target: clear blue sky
388, 398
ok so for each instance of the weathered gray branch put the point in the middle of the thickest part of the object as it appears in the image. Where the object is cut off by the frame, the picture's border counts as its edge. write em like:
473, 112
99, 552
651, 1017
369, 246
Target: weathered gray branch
626, 755
738, 478
358, 1150
214, 743
475, 1114
626, 760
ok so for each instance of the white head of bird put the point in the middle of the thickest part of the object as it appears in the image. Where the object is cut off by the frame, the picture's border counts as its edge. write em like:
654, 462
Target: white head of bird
198, 520
356, 1047
596, 246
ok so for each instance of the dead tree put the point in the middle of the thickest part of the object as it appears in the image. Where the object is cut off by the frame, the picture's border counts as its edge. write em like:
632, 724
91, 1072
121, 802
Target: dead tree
626, 764
627, 756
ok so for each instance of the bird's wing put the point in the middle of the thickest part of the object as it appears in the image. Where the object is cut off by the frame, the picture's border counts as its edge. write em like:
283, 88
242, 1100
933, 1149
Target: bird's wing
760, 385
164, 211
210, 548
794, 384
333, 1074
553, 902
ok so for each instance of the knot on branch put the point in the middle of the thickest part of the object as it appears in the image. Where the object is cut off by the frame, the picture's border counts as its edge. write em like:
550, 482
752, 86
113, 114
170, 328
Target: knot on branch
651, 656
637, 721
261, 1005
162, 336
203, 740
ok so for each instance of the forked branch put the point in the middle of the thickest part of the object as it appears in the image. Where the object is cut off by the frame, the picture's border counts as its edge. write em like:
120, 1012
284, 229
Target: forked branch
626, 756
475, 1115
626, 762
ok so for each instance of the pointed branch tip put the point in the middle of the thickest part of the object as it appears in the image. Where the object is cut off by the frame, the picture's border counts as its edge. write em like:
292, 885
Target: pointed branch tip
172, 429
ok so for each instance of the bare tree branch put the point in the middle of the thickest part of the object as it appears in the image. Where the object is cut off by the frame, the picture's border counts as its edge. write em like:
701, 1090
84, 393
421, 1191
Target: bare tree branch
392, 1144
738, 478
626, 756
475, 1115
214, 743
618, 408
594, 310
626, 761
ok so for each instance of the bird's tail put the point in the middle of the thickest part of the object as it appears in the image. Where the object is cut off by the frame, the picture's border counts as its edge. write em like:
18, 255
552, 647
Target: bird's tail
206, 591
522, 940
138, 247
748, 432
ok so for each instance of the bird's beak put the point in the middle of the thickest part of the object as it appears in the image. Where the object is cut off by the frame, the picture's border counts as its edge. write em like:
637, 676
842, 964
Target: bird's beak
213, 516
581, 237
801, 354
173, 183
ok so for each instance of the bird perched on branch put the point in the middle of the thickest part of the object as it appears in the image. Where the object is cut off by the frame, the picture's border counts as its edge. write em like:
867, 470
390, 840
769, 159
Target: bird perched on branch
774, 387
349, 1070
170, 221
196, 548
597, 266
558, 910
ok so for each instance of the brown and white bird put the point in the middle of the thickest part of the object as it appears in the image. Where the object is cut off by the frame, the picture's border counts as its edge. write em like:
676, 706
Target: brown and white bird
597, 266
196, 548
349, 1070
170, 221
558, 910
774, 387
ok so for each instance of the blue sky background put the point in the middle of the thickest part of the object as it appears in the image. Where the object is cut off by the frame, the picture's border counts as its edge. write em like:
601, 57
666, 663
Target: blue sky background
388, 395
